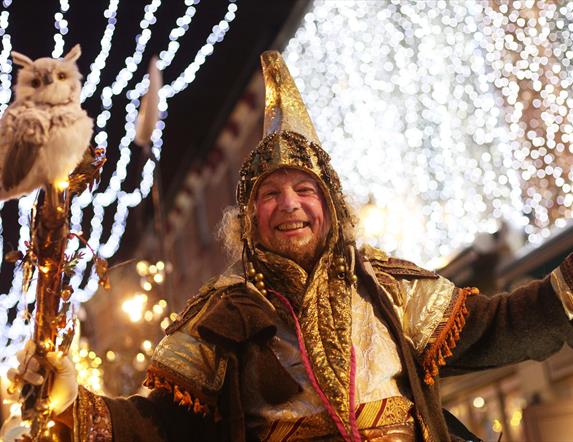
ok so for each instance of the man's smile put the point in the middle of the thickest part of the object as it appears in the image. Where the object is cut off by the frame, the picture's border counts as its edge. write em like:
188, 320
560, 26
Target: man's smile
292, 226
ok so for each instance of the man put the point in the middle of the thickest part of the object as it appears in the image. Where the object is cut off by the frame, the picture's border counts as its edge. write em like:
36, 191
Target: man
308, 338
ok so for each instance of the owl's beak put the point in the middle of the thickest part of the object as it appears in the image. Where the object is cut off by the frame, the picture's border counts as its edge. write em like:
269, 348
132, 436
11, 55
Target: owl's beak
47, 79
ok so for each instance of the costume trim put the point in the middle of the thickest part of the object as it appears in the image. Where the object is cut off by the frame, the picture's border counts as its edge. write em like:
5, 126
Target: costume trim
181, 396
347, 436
566, 269
92, 418
446, 335
393, 266
563, 290
395, 410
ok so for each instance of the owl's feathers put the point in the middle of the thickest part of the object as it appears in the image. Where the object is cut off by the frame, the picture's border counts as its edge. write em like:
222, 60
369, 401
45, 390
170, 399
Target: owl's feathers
44, 132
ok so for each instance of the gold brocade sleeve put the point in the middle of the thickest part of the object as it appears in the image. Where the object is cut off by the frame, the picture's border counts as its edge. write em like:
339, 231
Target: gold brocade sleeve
431, 309
92, 419
446, 334
192, 370
426, 306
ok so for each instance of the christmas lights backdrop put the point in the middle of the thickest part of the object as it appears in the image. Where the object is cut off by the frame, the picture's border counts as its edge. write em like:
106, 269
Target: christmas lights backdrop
448, 115
110, 198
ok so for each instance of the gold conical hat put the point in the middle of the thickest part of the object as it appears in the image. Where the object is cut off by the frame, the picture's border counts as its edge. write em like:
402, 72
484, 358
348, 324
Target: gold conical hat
284, 108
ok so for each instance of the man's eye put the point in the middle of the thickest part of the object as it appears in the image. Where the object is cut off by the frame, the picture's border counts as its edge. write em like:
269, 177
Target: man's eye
306, 190
35, 83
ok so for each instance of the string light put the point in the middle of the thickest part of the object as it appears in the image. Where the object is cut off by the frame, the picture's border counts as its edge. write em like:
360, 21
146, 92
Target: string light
13, 336
93, 78
113, 193
61, 25
445, 98
5, 62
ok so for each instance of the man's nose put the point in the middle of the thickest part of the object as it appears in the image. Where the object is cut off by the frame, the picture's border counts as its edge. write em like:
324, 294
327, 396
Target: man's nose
289, 200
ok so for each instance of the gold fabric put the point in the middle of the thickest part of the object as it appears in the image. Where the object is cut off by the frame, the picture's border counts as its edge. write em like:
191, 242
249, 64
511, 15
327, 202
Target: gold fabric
184, 355
325, 317
284, 108
92, 419
373, 420
376, 377
420, 304
378, 365
426, 304
564, 292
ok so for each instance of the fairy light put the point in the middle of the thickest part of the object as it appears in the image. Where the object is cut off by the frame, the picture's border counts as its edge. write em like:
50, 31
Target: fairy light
5, 62
467, 104
12, 337
61, 25
124, 200
93, 78
88, 366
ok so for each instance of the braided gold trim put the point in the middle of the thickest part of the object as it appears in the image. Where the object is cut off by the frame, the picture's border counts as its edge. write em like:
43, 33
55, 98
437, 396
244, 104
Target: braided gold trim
92, 418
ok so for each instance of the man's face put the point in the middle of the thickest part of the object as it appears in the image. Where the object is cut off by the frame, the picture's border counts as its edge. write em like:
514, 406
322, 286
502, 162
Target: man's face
292, 217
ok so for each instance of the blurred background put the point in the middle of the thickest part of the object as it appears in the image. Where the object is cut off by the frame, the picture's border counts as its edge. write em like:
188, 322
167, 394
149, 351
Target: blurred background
449, 122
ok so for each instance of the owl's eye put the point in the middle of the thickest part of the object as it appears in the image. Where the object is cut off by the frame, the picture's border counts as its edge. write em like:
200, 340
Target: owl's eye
61, 76
35, 83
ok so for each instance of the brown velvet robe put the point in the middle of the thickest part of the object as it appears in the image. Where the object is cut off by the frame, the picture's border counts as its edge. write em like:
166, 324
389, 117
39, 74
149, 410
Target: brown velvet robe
529, 323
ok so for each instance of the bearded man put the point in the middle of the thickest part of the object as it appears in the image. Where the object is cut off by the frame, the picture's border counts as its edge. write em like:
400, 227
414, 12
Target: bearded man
306, 337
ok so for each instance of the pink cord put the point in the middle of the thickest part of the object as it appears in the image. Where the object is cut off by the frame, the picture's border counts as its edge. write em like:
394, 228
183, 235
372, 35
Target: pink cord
306, 362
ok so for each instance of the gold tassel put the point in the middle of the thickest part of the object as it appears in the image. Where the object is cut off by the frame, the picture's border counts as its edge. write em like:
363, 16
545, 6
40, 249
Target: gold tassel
434, 369
451, 341
446, 350
177, 394
428, 379
456, 332
441, 360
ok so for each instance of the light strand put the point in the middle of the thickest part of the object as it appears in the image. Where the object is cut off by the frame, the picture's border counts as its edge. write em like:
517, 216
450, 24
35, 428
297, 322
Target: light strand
61, 25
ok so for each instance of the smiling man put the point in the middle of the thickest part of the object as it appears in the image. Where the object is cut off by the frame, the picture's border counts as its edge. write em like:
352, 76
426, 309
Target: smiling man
291, 216
308, 337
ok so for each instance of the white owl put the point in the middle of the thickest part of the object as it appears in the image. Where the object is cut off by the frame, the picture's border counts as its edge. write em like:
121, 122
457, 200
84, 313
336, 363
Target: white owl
44, 132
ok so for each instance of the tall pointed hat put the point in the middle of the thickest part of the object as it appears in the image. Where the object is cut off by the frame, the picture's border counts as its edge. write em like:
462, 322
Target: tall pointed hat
284, 108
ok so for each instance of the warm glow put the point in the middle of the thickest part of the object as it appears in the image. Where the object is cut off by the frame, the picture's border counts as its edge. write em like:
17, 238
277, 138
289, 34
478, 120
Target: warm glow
162, 303
62, 185
148, 316
478, 402
160, 265
158, 278
142, 268
146, 345
516, 418
134, 307
147, 286
110, 356
164, 323
497, 426
140, 357
372, 219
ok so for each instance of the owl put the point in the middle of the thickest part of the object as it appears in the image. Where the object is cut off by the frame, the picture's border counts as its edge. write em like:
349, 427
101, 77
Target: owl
44, 132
